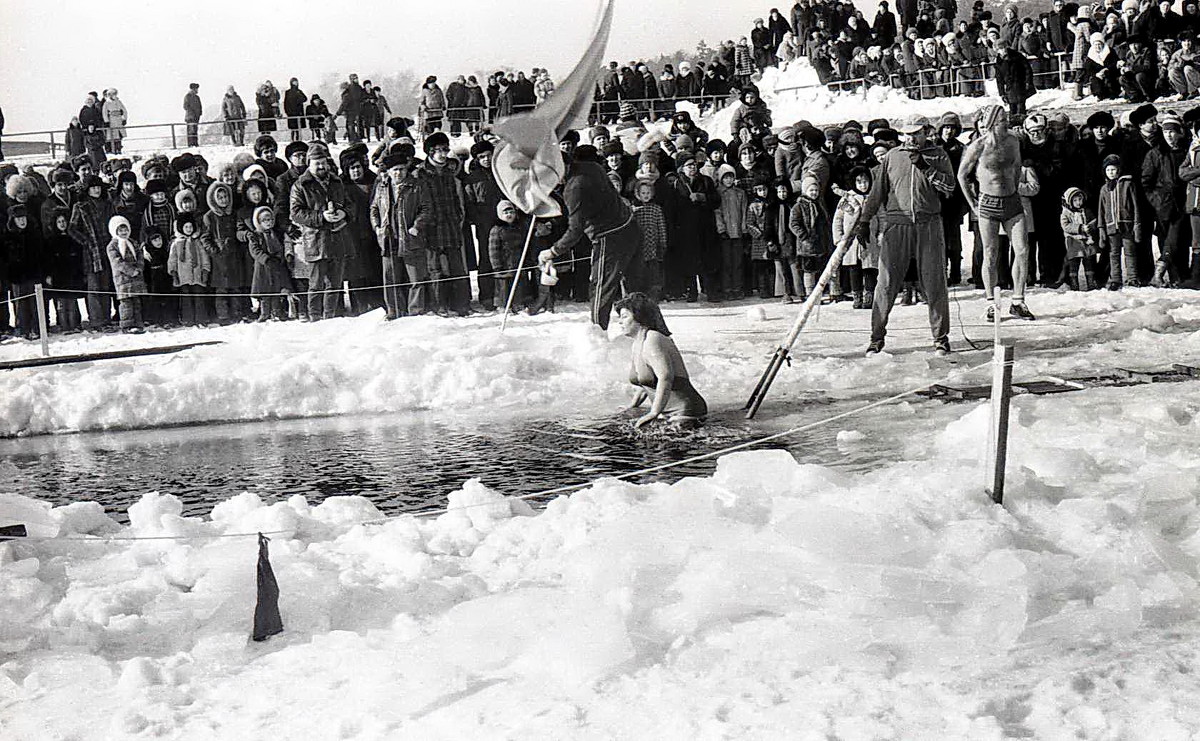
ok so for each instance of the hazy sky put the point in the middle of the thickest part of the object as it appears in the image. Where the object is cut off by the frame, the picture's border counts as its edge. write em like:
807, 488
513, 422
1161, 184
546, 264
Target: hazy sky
53, 51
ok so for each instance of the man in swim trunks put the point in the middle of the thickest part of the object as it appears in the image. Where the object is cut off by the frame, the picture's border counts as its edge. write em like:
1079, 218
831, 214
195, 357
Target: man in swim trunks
988, 175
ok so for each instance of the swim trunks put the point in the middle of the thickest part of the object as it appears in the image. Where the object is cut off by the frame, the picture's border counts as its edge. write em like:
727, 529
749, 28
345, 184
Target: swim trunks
999, 208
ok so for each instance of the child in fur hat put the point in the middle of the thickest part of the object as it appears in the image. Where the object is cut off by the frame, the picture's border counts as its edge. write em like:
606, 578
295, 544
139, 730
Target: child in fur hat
505, 242
272, 281
1079, 232
159, 212
190, 268
128, 268
224, 237
158, 308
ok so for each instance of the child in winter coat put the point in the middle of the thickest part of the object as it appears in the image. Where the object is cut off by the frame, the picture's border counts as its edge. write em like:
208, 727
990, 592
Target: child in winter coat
159, 308
781, 245
1080, 232
224, 238
553, 278
87, 226
190, 269
22, 240
860, 259
758, 214
649, 216
731, 228
128, 265
272, 280
505, 242
1119, 223
65, 266
810, 226
159, 212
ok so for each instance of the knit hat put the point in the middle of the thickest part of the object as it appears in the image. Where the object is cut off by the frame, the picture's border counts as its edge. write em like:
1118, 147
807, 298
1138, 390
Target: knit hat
504, 205
259, 214
724, 170
989, 115
263, 143
1113, 160
254, 172
482, 147
317, 150
295, 148
156, 185
436, 139
117, 221
626, 110
1142, 114
1171, 120
1035, 122
787, 136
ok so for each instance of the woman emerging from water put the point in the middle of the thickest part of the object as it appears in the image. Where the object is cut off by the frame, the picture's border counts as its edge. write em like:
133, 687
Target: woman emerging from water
657, 367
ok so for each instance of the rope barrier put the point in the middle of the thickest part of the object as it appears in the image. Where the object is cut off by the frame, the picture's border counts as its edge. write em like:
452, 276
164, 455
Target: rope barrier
14, 299
305, 293
122, 538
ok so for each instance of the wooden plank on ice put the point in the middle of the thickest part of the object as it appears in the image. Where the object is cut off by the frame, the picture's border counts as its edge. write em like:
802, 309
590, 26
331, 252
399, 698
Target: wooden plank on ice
109, 355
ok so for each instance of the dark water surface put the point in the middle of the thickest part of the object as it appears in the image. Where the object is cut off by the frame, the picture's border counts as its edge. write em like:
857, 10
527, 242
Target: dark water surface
402, 463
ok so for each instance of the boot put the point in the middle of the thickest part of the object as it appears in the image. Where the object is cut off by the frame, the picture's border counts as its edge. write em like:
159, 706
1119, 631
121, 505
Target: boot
858, 299
1194, 280
1160, 279
908, 299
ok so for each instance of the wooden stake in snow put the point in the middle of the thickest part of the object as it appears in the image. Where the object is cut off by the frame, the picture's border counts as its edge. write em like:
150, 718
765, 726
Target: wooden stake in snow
43, 322
783, 351
1002, 365
512, 291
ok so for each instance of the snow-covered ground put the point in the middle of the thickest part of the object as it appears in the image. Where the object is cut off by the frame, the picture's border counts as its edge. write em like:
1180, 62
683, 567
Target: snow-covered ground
771, 600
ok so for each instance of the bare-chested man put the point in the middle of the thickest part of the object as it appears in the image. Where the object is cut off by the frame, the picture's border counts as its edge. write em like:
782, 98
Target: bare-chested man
988, 175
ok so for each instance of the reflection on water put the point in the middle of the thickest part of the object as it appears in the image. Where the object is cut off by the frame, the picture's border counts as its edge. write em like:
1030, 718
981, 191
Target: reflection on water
400, 463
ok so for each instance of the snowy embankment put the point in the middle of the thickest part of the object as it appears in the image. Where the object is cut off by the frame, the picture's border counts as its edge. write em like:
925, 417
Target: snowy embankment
770, 600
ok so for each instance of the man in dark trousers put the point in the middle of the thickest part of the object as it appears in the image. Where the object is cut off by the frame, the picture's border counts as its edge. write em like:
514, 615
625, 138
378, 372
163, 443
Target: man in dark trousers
595, 208
907, 196
192, 110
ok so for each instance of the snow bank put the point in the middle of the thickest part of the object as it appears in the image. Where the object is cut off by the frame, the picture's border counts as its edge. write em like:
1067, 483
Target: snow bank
770, 600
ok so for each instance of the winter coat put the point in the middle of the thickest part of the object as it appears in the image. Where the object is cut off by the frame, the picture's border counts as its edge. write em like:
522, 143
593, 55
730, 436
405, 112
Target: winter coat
188, 262
779, 232
115, 118
319, 239
227, 254
88, 226
743, 61
64, 258
653, 225
445, 191
74, 138
1014, 77
816, 166
744, 112
1161, 183
758, 213
22, 253
862, 251
731, 214
128, 268
233, 110
293, 103
904, 194
161, 217
158, 280
1189, 173
1119, 213
132, 208
1079, 227
810, 225
505, 242
396, 210
432, 103
481, 194
192, 109
271, 275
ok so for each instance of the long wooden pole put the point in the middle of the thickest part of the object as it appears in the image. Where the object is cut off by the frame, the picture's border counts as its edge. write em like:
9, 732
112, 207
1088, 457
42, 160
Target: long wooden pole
783, 351
512, 292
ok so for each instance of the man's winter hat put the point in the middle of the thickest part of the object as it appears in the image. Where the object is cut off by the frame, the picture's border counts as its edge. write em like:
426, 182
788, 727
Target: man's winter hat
396, 159
61, 176
263, 143
724, 170
436, 139
988, 116
1035, 122
877, 123
685, 142
405, 148
681, 117
261, 213
187, 217
126, 177
950, 118
399, 125
294, 148
254, 172
482, 147
813, 138
571, 136
770, 140
715, 145
503, 205
852, 124
598, 131
156, 185
92, 181
1101, 120
613, 147
1192, 117
627, 110
917, 125
1142, 114
117, 222
183, 162
317, 150
79, 160
887, 136
357, 150
787, 136
682, 157
1171, 120
586, 153
1112, 160
650, 157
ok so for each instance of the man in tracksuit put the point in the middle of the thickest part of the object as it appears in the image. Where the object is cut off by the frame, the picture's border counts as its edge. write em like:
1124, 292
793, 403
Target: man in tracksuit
907, 196
595, 208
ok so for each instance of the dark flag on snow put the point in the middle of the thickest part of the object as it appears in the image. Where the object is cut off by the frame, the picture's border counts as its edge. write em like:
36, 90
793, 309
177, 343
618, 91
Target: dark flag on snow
266, 612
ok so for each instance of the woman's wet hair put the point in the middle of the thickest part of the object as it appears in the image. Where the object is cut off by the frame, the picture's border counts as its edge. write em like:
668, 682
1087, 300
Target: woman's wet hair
645, 312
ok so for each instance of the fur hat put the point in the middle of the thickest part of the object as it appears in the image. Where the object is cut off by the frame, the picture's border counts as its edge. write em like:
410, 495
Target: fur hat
155, 185
436, 139
317, 150
260, 213
1112, 160
7, 170
877, 123
1142, 114
1101, 120
116, 222
598, 131
126, 176
149, 232
716, 145
92, 181
296, 147
650, 157
185, 217
396, 159
482, 147
263, 143
683, 156
886, 136
1191, 117
183, 193
950, 118
571, 136
183, 162
813, 138
62, 176
354, 151
613, 147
